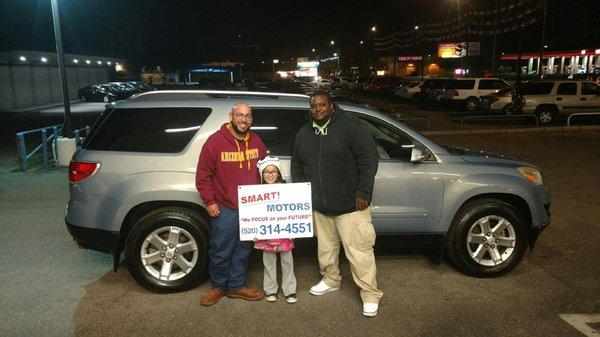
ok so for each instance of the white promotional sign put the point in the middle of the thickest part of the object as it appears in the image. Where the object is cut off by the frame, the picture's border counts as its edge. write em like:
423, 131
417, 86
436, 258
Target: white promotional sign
275, 211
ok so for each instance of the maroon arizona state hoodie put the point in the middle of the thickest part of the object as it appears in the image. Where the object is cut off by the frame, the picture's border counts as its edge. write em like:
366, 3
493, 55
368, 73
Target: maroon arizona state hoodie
225, 163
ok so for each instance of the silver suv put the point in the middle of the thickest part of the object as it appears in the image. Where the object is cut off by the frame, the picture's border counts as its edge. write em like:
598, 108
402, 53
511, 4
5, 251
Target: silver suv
132, 186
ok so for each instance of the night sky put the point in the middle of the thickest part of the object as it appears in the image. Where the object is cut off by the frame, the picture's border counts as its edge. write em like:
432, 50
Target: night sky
183, 33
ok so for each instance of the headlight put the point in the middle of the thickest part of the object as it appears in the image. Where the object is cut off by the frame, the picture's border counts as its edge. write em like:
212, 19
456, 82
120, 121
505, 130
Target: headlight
531, 174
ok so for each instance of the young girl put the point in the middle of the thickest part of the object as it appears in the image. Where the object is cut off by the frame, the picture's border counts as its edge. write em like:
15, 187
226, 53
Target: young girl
270, 173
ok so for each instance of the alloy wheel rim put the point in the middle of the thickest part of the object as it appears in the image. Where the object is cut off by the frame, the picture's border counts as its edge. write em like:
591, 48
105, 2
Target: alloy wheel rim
169, 253
545, 116
491, 240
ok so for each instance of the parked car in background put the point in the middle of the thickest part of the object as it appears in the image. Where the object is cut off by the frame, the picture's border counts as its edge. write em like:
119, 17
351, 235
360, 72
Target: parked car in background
385, 84
358, 83
469, 90
433, 89
340, 82
322, 83
132, 186
409, 91
143, 86
548, 99
498, 102
97, 93
127, 87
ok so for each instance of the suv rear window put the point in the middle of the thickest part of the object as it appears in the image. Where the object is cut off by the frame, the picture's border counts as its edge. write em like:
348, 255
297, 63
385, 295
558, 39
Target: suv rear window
538, 88
161, 130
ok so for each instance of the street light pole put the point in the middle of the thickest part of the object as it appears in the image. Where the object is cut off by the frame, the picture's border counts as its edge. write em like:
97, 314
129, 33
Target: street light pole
67, 132
544, 4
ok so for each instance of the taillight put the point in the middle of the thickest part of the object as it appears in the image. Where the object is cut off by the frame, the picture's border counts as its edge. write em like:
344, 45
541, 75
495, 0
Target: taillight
455, 92
80, 171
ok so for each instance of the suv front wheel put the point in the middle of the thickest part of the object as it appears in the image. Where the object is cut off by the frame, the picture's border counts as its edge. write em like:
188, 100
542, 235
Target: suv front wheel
487, 238
167, 250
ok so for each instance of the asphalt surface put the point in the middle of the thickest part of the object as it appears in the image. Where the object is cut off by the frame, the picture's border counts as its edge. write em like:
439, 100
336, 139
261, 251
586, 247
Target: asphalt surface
50, 287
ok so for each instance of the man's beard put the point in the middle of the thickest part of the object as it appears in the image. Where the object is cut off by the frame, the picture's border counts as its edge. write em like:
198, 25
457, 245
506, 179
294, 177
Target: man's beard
237, 130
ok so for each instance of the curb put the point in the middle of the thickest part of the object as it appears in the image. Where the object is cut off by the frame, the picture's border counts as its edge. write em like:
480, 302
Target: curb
522, 130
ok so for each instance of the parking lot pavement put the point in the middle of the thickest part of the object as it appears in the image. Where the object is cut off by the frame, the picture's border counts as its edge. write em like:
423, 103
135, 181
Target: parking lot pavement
50, 287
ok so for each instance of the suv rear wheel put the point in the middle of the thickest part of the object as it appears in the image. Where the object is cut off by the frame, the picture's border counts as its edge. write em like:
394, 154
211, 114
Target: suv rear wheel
546, 113
167, 250
487, 238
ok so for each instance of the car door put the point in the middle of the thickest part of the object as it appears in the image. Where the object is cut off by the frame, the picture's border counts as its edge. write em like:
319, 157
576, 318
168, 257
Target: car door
407, 197
590, 97
567, 98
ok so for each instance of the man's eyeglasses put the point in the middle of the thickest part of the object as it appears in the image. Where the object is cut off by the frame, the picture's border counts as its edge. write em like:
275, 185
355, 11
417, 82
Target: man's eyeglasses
240, 117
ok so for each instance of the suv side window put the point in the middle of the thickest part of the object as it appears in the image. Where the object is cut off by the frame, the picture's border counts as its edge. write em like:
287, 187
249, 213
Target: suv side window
491, 84
567, 89
590, 89
536, 88
461, 84
391, 144
277, 128
160, 130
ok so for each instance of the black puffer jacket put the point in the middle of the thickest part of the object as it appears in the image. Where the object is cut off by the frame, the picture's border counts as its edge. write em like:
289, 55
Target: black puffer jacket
340, 165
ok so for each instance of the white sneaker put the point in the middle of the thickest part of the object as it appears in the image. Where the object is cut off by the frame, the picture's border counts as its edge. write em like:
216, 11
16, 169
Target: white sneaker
322, 288
370, 309
271, 297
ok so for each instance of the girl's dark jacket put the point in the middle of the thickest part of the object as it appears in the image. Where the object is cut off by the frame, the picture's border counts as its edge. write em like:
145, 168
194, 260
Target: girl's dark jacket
340, 164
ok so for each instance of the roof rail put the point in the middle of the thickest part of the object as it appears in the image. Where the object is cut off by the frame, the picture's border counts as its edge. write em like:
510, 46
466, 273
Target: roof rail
206, 94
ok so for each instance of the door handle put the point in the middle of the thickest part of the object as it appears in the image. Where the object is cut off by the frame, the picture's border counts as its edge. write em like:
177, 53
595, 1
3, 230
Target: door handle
559, 98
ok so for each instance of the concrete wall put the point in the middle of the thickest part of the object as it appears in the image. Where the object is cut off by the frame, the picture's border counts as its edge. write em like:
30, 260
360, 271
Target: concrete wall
23, 86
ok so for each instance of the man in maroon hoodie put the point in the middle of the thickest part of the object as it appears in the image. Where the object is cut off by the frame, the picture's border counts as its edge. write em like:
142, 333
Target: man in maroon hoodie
227, 160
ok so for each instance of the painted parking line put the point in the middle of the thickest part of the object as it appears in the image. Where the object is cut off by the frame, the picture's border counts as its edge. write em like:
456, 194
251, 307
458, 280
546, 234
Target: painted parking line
581, 323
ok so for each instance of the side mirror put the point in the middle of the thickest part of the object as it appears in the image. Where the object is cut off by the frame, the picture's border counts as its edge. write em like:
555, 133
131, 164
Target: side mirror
417, 154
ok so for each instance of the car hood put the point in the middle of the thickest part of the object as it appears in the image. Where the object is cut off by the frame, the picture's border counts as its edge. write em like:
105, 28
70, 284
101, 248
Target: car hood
483, 157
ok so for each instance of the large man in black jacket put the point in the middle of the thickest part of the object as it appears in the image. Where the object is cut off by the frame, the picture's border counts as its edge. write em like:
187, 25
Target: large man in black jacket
336, 153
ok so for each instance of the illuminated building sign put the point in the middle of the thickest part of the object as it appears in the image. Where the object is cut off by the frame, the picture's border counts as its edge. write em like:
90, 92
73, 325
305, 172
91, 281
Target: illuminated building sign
410, 58
307, 69
458, 49
210, 70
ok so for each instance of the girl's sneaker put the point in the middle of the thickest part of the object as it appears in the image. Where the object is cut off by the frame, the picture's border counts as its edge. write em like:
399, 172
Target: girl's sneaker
271, 297
291, 298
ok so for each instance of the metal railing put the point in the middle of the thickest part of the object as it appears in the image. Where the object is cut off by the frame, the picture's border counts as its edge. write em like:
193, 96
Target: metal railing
580, 114
537, 120
46, 140
78, 138
24, 157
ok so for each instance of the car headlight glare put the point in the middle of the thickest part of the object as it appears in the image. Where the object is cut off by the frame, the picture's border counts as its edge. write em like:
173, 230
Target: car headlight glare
531, 174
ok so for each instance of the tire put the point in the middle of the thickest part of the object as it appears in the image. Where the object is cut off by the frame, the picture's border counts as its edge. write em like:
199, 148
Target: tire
83, 98
151, 235
471, 103
415, 97
507, 110
482, 252
546, 114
